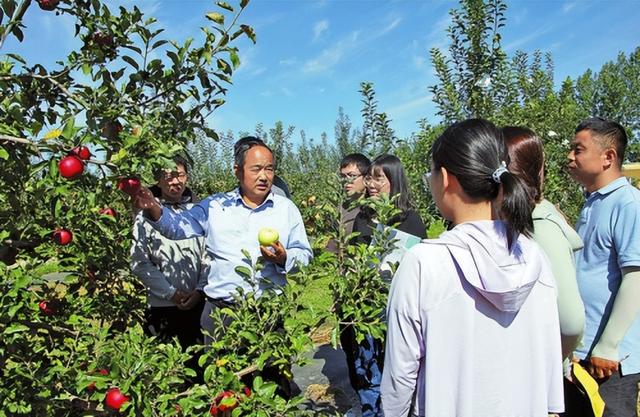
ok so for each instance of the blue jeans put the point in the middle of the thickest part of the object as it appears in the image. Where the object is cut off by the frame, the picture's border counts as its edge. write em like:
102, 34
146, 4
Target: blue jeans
369, 359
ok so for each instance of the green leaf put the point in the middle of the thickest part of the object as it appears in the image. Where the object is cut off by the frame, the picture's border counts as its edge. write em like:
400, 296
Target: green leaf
4, 154
235, 59
225, 5
15, 328
86, 68
69, 128
130, 61
216, 17
243, 271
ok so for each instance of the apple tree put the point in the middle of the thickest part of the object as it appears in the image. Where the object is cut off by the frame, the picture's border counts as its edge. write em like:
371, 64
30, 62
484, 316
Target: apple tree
75, 138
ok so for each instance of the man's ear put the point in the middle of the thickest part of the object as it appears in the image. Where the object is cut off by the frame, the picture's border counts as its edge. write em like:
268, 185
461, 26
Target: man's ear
609, 158
237, 171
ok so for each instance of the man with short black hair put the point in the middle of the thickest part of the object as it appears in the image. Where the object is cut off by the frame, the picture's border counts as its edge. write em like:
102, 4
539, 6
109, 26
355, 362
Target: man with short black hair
608, 267
230, 223
279, 186
353, 168
173, 271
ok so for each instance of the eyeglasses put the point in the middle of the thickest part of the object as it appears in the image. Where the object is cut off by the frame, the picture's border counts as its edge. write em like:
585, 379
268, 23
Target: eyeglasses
426, 180
376, 182
168, 176
349, 177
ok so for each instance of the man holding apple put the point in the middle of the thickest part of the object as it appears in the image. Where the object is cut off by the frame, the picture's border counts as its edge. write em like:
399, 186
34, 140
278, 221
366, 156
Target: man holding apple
230, 223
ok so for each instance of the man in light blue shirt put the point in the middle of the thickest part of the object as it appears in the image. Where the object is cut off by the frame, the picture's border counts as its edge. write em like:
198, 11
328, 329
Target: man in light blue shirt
608, 267
230, 223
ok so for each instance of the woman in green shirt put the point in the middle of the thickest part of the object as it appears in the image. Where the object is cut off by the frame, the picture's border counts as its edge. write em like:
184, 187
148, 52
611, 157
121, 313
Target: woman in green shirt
551, 231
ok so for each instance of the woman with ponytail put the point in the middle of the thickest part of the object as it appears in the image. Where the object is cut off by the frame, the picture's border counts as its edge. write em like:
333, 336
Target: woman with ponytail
552, 232
472, 319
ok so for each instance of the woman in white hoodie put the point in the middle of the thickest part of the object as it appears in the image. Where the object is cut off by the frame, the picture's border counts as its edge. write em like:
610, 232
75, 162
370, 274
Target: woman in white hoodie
472, 316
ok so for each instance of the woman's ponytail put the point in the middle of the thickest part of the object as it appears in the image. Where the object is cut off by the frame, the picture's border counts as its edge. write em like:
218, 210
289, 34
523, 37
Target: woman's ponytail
516, 206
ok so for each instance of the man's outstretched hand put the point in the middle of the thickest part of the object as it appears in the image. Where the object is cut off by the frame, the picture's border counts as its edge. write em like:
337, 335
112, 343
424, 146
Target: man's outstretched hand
144, 200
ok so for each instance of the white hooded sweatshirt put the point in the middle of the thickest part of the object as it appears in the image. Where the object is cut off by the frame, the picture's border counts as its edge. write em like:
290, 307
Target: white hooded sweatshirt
473, 329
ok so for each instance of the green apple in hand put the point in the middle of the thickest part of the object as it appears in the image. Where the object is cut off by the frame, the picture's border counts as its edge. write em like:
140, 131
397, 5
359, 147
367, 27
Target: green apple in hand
267, 236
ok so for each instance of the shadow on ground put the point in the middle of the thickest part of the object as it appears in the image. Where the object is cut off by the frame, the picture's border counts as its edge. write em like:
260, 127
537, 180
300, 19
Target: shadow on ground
325, 382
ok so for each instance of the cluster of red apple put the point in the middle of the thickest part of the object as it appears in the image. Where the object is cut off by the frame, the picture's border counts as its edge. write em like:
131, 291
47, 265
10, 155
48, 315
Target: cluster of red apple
48, 5
72, 165
225, 402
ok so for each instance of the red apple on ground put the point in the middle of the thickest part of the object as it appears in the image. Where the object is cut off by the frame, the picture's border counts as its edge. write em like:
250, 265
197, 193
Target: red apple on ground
129, 185
48, 5
267, 236
81, 152
115, 398
63, 236
70, 167
46, 308
108, 211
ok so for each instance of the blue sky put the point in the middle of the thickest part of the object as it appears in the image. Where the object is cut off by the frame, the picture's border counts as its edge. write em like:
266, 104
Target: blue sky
311, 55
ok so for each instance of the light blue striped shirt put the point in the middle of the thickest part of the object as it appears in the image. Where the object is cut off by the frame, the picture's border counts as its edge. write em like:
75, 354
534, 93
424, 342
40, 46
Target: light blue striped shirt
229, 227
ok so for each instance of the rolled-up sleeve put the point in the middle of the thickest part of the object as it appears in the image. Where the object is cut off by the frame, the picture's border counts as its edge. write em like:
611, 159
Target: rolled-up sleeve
185, 224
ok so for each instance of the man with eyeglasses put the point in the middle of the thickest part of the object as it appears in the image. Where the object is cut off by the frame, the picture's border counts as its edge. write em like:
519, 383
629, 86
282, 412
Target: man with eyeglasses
353, 167
173, 271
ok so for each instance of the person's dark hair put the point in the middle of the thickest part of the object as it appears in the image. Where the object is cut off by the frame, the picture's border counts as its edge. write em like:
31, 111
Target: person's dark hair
394, 171
472, 150
357, 159
241, 147
527, 158
178, 160
608, 134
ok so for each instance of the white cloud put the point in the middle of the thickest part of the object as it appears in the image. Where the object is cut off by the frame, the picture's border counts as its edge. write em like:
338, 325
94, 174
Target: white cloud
329, 57
525, 39
419, 61
569, 6
410, 106
258, 71
288, 62
394, 23
319, 28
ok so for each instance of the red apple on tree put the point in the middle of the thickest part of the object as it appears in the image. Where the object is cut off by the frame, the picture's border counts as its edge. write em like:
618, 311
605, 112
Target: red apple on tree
108, 211
81, 152
225, 401
48, 5
115, 398
46, 308
70, 167
129, 185
102, 39
62, 236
